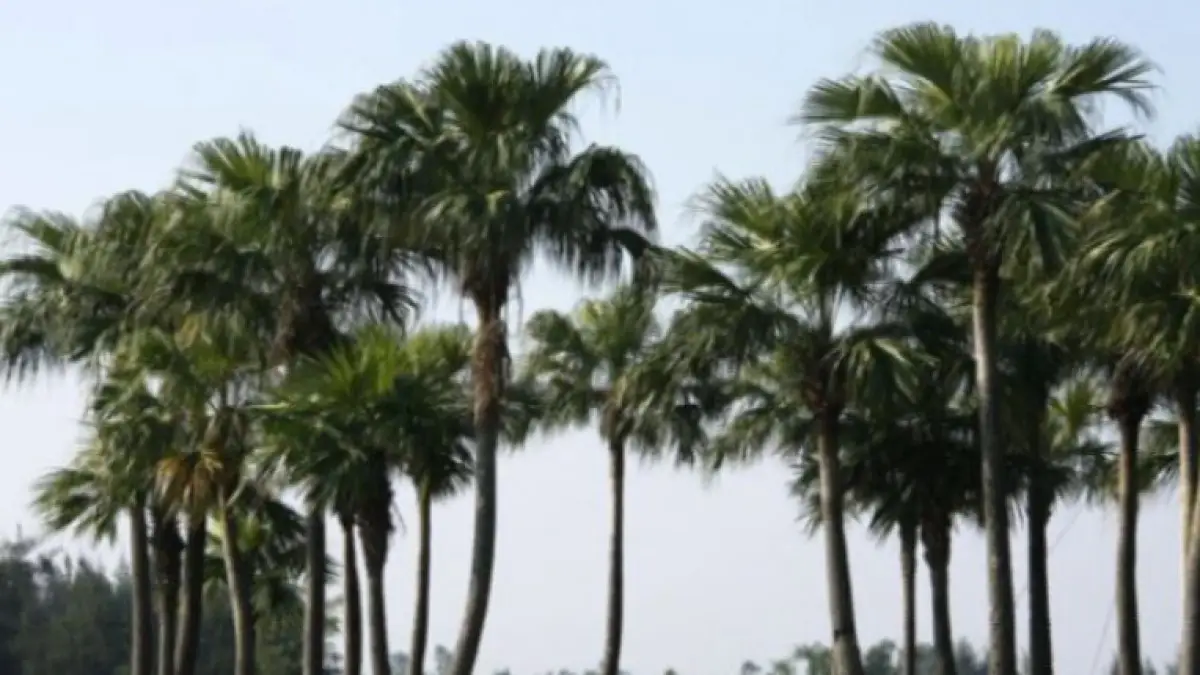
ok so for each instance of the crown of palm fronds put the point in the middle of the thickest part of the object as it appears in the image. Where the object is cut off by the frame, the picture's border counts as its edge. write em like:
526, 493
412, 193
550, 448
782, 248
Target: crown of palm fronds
472, 163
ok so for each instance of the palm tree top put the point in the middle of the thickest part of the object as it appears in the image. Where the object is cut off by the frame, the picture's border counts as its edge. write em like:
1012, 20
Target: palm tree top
474, 160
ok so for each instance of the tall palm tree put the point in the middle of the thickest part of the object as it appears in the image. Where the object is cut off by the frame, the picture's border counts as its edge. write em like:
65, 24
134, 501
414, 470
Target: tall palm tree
974, 127
474, 158
71, 287
800, 264
588, 365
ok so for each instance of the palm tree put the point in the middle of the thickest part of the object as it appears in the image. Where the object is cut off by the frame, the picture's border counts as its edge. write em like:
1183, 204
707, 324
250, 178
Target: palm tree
799, 264
908, 467
379, 404
206, 371
110, 477
473, 159
71, 299
70, 289
1146, 236
974, 127
271, 242
437, 457
589, 365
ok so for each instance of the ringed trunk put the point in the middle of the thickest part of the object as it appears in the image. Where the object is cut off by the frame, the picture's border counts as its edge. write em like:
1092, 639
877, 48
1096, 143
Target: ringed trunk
141, 636
1002, 651
187, 644
846, 654
611, 664
487, 375
420, 631
352, 628
314, 604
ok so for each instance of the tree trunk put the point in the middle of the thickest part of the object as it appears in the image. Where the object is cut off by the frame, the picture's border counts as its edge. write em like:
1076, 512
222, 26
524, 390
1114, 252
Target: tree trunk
846, 654
908, 572
1128, 638
314, 606
1185, 414
420, 631
352, 628
187, 644
611, 664
487, 374
1041, 656
373, 537
1189, 656
168, 548
141, 645
240, 594
1002, 649
935, 535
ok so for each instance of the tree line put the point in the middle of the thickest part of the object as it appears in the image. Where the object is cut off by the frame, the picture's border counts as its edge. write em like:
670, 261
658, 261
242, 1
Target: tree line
65, 615
977, 300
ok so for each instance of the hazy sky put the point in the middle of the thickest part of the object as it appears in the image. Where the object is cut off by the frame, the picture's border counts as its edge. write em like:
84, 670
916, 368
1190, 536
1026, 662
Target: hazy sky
97, 97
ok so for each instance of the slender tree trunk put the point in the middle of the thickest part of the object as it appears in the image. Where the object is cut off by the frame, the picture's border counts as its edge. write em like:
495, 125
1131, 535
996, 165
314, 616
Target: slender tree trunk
373, 536
935, 534
611, 664
420, 631
1129, 652
487, 373
141, 645
352, 628
1185, 414
1041, 656
314, 606
1189, 657
187, 644
908, 572
1002, 650
168, 548
240, 594
846, 654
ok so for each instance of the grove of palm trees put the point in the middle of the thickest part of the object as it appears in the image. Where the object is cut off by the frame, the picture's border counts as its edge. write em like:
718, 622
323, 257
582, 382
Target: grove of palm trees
970, 310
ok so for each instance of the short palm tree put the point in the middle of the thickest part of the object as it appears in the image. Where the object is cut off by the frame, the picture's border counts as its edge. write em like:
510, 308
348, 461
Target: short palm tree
1148, 231
207, 371
265, 237
113, 477
789, 316
973, 127
380, 404
71, 298
591, 366
474, 159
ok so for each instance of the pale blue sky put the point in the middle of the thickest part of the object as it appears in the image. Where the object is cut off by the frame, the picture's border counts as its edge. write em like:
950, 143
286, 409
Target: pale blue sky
97, 97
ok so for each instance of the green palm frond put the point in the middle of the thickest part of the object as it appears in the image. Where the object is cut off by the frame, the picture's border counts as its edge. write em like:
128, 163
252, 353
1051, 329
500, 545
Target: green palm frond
472, 163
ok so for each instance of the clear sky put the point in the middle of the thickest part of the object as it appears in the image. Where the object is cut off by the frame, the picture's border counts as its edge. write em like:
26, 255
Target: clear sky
97, 97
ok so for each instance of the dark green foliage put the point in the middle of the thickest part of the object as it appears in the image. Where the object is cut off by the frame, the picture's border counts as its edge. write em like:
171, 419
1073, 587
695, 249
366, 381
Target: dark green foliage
68, 616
